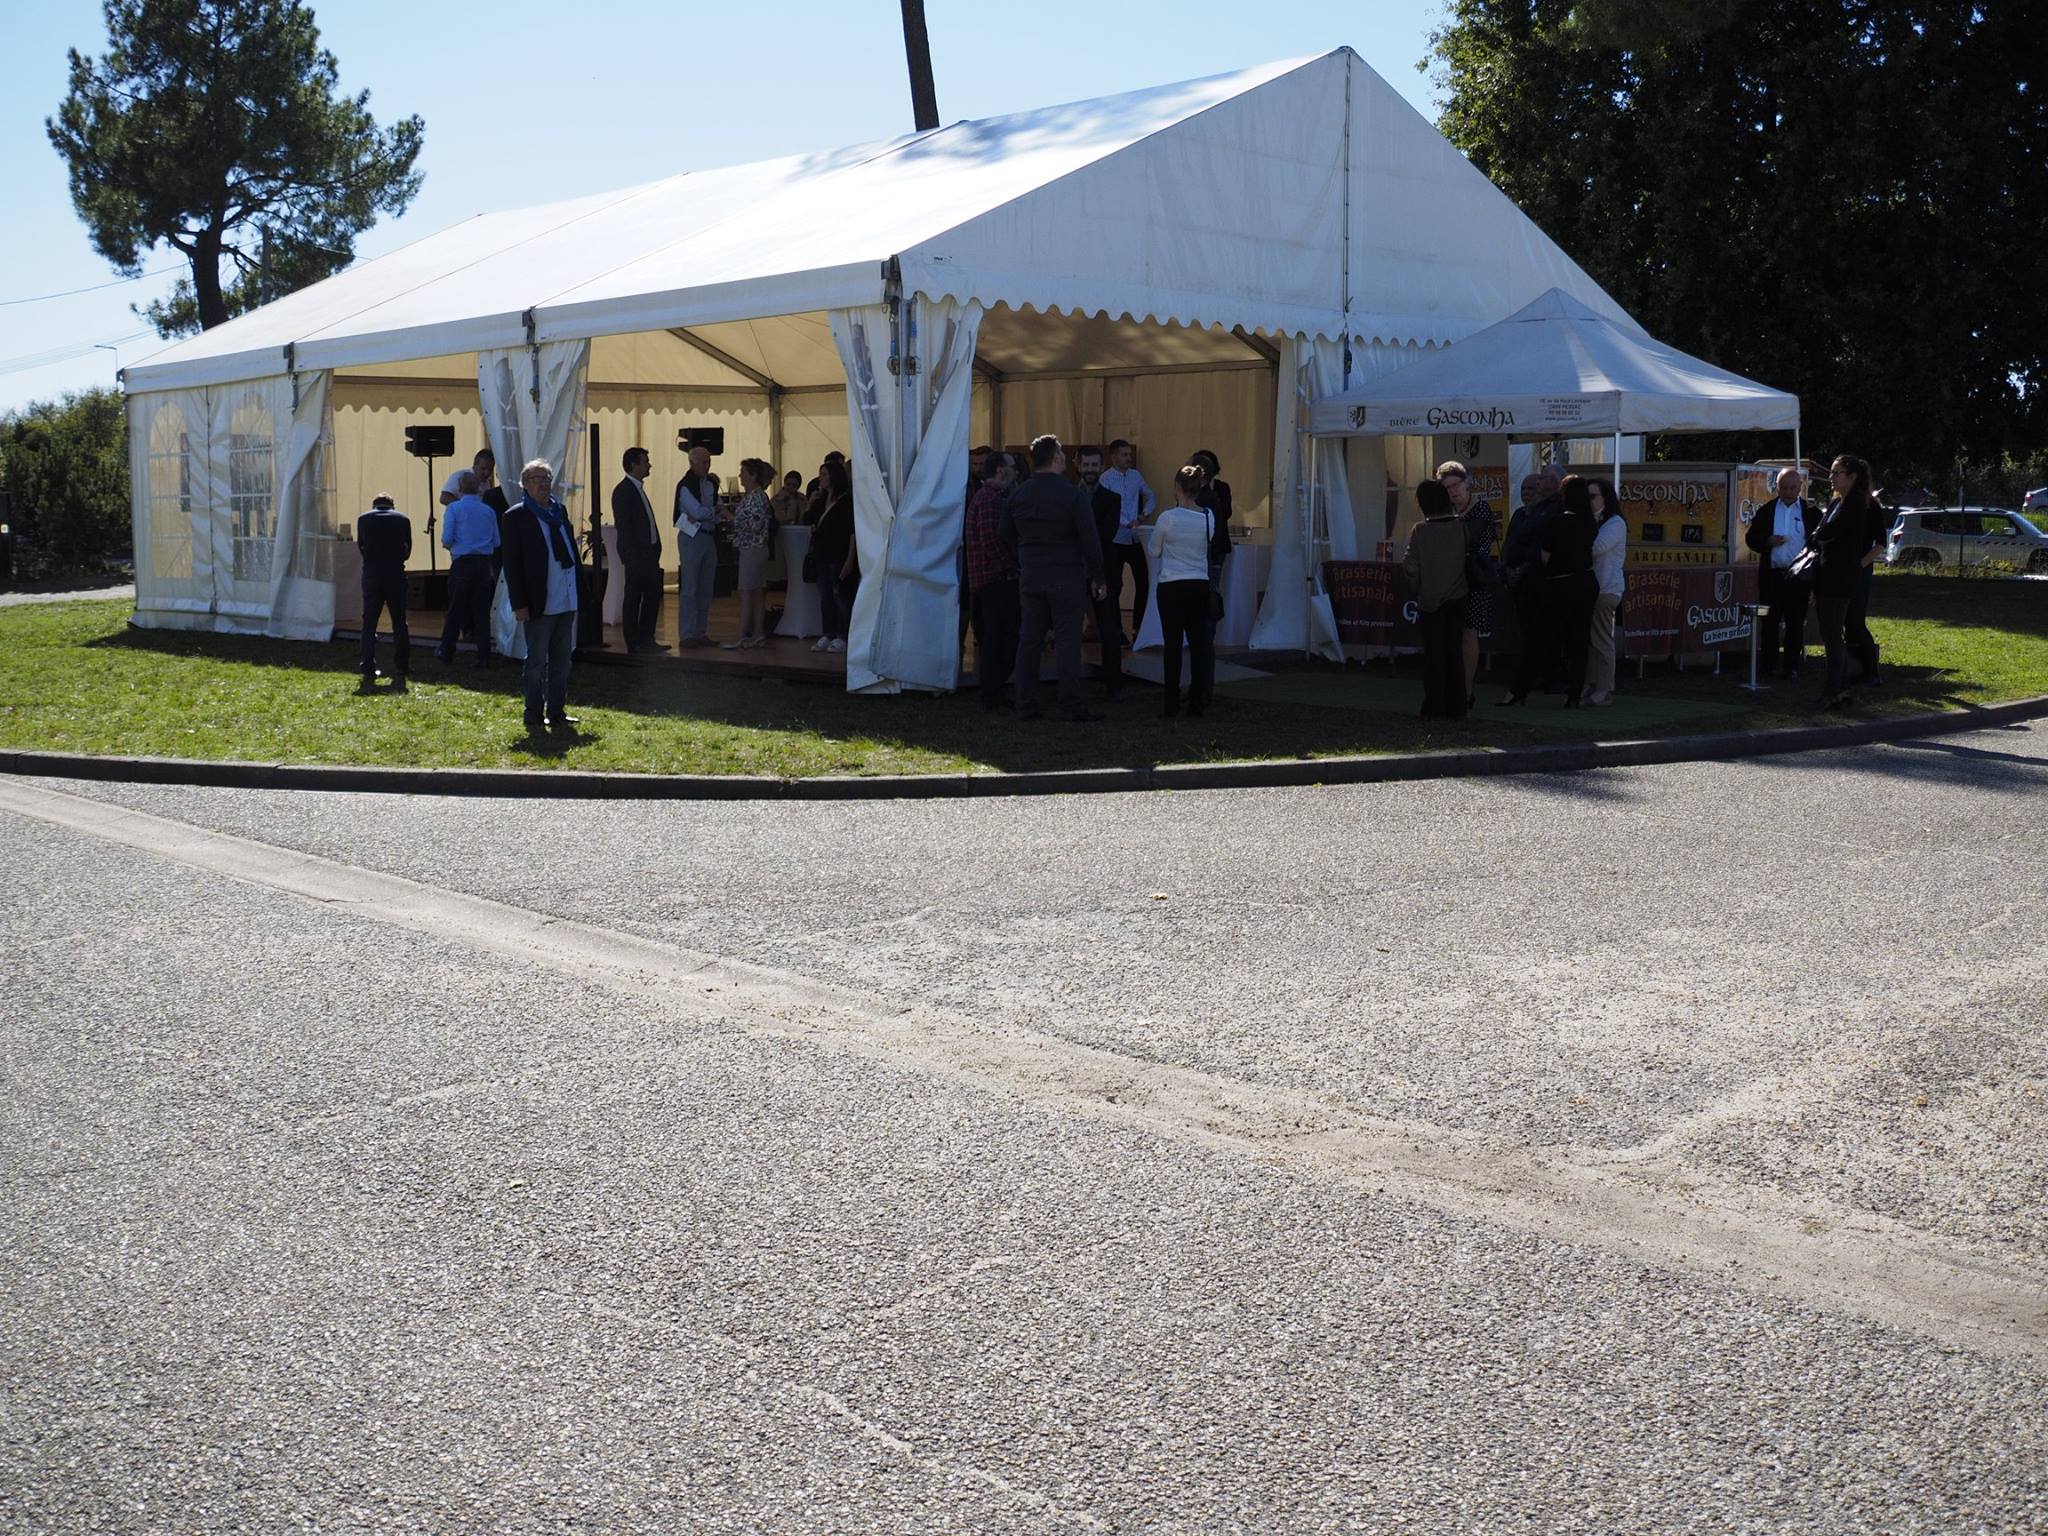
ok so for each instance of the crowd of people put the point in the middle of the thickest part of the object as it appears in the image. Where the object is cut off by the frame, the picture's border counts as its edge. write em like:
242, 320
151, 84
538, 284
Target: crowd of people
1044, 555
1561, 566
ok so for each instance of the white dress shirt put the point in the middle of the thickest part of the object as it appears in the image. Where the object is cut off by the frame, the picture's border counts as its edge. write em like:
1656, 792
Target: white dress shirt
1789, 520
1138, 501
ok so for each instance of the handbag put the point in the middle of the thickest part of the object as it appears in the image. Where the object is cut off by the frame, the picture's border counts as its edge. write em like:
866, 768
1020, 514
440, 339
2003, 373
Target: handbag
1215, 571
1806, 564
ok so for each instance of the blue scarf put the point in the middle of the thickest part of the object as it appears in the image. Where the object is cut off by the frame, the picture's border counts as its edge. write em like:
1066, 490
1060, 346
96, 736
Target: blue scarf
555, 518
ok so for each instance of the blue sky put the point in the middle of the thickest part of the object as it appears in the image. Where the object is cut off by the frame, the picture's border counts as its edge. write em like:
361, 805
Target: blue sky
637, 89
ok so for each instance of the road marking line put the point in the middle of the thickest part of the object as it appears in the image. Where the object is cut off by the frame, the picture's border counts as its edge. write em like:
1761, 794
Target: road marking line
1805, 1251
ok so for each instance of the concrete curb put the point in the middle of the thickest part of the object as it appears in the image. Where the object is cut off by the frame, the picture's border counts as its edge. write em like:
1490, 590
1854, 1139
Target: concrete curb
1392, 768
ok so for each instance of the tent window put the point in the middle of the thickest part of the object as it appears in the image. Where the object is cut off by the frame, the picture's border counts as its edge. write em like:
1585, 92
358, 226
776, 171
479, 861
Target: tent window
170, 495
252, 504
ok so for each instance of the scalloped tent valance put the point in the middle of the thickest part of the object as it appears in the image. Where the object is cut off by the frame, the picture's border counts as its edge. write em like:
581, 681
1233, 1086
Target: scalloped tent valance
1300, 198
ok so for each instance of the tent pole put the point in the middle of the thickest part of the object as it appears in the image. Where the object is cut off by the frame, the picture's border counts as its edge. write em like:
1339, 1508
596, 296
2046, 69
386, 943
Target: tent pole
1308, 552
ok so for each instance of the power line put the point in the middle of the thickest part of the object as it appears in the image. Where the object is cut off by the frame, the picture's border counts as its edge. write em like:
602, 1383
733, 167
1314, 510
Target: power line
95, 288
30, 361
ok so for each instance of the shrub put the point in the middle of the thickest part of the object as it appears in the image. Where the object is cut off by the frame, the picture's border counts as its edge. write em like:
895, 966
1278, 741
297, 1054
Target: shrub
65, 466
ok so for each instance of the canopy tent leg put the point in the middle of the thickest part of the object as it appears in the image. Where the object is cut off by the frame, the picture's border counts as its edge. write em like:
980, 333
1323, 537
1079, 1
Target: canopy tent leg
1308, 554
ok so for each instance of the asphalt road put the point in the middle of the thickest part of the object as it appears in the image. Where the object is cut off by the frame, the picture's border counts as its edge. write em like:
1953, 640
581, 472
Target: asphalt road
1645, 1151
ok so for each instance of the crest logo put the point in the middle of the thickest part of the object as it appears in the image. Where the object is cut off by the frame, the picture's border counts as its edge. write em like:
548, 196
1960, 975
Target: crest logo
1724, 586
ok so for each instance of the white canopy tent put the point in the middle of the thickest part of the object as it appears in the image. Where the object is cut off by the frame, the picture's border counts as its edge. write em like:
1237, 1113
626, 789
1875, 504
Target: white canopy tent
1556, 368
1200, 259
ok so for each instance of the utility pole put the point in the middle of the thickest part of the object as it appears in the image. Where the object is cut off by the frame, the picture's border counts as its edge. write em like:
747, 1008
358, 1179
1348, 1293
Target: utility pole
917, 48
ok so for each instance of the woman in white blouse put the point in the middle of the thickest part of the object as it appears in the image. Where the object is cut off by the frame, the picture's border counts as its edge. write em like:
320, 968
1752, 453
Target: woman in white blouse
1610, 551
1178, 544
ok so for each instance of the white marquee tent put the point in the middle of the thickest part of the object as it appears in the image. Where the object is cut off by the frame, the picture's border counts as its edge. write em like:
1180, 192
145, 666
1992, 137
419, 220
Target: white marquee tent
1191, 264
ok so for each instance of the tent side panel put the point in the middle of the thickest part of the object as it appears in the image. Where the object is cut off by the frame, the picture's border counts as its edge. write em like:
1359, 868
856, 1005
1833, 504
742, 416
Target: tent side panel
168, 435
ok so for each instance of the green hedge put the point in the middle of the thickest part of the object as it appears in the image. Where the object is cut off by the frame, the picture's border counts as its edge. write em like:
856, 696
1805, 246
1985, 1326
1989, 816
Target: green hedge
65, 466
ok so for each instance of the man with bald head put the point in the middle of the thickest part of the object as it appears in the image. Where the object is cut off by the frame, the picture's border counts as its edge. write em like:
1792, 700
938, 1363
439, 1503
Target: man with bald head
1777, 533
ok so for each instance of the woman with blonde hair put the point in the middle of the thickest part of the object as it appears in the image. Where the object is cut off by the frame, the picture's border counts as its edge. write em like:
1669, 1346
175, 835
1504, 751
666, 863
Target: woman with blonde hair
753, 525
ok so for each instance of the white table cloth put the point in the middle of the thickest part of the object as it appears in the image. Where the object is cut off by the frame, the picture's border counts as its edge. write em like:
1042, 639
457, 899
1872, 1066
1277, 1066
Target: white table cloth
803, 616
1244, 578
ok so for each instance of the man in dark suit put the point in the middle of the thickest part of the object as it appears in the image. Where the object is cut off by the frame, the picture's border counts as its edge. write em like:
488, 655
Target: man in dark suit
639, 553
1050, 526
1105, 505
1778, 532
543, 571
1522, 564
384, 539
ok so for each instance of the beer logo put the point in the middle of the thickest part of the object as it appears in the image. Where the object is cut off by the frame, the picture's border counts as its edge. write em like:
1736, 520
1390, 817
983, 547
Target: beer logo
1724, 586
1494, 418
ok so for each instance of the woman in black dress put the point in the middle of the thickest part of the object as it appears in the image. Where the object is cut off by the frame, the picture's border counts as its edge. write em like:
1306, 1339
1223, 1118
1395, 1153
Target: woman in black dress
1845, 535
832, 554
1570, 588
1214, 497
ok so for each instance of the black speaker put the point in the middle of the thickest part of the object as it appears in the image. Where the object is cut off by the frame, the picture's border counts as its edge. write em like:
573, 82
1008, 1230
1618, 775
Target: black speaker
711, 438
430, 442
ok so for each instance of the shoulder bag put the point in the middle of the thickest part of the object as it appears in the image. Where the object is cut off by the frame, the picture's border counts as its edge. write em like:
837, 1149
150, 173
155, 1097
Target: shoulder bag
1215, 571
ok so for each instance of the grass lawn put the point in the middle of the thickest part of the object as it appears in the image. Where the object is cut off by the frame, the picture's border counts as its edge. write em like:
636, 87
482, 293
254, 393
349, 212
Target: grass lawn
75, 678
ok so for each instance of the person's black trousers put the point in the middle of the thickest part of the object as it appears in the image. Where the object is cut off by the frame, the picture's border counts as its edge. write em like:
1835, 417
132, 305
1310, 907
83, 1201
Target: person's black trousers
1184, 613
1856, 627
384, 590
470, 588
995, 639
1783, 629
641, 610
1443, 659
1570, 603
1539, 637
1117, 557
1834, 613
1060, 610
1109, 633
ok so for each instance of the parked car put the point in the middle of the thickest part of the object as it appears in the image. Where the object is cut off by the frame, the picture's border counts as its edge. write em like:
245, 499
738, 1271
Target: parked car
1930, 537
2036, 504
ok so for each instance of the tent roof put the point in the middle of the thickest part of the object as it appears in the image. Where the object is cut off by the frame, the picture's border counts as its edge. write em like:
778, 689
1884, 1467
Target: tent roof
1556, 368
1209, 203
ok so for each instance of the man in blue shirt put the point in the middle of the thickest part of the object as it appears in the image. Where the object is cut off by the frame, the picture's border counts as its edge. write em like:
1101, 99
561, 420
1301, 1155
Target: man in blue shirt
542, 567
469, 532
